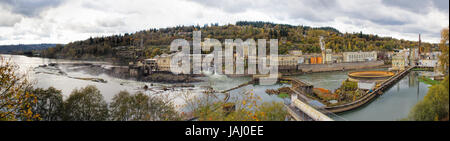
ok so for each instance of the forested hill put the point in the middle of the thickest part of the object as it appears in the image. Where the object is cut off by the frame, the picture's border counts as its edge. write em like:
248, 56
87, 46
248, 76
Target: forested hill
151, 42
21, 48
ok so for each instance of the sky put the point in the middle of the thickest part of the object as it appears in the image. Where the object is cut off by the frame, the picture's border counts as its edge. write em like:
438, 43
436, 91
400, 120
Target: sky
64, 21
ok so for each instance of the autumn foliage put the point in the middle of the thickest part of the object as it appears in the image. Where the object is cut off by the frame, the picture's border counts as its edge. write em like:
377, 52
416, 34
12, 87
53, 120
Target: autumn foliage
16, 98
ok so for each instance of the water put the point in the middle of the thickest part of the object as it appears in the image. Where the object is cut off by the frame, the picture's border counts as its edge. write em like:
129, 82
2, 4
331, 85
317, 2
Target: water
328, 80
395, 104
259, 91
108, 90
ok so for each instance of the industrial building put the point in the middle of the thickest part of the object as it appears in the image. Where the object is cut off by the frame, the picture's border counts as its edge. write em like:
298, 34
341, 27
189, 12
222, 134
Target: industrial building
398, 62
359, 56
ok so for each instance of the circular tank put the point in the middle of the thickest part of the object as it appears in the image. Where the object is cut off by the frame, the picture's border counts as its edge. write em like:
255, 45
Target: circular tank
369, 75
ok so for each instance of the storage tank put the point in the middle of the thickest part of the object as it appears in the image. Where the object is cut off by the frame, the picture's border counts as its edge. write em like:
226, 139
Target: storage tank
319, 60
313, 60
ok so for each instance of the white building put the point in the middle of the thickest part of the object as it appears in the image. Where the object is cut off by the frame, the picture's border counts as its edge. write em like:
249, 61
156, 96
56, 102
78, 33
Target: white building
428, 63
301, 60
433, 55
359, 56
296, 52
398, 61
328, 58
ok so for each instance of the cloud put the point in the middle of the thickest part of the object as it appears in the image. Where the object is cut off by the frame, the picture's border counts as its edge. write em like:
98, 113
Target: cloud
418, 6
63, 21
110, 23
8, 19
30, 8
395, 16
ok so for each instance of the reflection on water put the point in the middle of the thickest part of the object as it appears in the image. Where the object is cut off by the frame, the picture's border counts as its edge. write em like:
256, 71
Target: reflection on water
393, 105
222, 82
260, 91
328, 80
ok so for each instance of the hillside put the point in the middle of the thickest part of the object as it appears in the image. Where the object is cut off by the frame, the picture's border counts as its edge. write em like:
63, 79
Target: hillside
22, 48
151, 42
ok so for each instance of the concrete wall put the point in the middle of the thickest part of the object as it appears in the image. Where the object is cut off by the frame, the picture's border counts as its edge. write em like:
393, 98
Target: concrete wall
119, 70
338, 66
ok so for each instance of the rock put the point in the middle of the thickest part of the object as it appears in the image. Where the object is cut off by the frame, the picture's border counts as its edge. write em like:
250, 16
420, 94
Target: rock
169, 78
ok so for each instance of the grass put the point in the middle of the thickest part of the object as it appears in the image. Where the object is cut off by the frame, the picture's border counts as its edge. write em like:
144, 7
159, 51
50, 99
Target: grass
428, 81
423, 69
283, 95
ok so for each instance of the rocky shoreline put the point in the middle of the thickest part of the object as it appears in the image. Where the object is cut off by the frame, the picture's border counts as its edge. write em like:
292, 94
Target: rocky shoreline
168, 78
158, 77
96, 69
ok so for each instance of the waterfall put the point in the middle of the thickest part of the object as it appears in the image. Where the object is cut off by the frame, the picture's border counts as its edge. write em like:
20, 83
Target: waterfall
212, 73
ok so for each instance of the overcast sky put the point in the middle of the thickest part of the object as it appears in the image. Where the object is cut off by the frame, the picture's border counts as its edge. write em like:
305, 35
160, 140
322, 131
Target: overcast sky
63, 21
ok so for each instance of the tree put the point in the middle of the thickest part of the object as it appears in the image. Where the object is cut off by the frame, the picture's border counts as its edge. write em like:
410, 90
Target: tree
155, 52
140, 107
162, 109
112, 47
435, 105
16, 98
49, 104
349, 85
119, 107
86, 104
443, 46
249, 108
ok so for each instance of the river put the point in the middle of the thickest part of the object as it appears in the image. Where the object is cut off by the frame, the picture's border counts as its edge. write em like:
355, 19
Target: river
394, 104
44, 78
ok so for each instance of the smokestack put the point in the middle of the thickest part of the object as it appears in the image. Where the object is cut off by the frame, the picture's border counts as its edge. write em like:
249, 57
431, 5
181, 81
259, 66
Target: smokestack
420, 47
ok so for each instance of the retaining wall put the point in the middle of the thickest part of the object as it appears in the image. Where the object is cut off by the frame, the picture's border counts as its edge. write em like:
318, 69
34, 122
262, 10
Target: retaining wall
338, 66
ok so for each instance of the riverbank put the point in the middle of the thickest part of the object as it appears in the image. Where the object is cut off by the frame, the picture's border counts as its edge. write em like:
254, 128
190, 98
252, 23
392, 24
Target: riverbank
311, 68
317, 68
168, 78
95, 69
